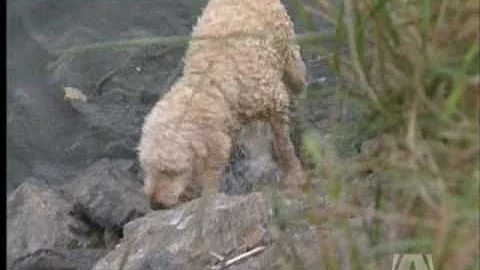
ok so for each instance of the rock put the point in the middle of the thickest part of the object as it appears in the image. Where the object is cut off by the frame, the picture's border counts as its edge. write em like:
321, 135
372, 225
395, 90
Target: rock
39, 218
42, 260
84, 259
155, 260
108, 194
231, 225
47, 139
252, 164
46, 259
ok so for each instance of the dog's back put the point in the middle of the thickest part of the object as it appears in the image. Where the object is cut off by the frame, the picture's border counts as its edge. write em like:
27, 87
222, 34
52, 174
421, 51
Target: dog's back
243, 46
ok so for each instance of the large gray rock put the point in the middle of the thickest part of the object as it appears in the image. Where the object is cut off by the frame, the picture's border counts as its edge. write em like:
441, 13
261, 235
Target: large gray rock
159, 260
42, 260
231, 225
108, 194
46, 259
39, 218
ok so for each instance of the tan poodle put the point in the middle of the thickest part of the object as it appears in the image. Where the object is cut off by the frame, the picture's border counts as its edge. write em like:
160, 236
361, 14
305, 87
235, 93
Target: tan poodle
241, 66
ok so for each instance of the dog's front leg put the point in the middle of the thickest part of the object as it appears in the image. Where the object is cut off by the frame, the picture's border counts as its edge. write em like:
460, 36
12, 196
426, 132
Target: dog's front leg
210, 188
291, 167
210, 179
209, 172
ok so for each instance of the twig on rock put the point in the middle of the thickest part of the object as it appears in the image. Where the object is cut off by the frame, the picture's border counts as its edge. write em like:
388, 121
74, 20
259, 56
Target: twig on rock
250, 253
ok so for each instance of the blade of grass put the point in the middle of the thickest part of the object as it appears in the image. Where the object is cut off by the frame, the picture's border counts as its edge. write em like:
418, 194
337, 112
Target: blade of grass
352, 44
460, 81
340, 36
179, 40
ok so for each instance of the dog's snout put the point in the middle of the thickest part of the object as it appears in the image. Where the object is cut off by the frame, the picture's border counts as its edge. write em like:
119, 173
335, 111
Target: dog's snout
156, 205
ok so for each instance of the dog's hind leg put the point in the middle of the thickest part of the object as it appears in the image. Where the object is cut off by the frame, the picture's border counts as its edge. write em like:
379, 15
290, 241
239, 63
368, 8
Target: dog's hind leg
290, 164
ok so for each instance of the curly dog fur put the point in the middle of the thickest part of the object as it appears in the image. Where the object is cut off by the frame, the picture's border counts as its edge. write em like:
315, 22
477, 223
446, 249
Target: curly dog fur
241, 65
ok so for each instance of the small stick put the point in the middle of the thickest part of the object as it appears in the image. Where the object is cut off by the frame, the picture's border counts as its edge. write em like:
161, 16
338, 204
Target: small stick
239, 257
218, 256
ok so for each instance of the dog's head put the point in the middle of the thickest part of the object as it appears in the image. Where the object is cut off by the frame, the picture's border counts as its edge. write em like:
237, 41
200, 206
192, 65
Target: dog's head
170, 175
167, 188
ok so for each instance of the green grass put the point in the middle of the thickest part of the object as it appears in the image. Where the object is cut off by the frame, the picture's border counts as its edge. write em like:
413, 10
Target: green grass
413, 68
